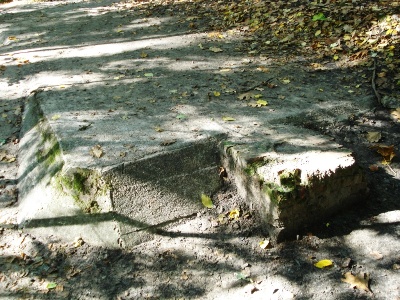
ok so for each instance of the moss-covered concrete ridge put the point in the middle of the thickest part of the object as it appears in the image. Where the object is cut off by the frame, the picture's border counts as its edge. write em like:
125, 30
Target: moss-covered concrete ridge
49, 151
84, 186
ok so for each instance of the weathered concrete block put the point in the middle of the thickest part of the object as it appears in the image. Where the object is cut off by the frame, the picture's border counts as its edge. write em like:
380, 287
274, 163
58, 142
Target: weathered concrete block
294, 177
116, 205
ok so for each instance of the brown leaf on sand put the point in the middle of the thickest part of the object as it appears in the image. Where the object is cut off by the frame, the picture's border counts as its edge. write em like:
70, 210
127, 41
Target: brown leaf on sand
387, 152
359, 281
96, 151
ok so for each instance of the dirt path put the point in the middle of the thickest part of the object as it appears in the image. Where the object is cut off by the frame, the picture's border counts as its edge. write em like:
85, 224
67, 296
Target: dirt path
209, 256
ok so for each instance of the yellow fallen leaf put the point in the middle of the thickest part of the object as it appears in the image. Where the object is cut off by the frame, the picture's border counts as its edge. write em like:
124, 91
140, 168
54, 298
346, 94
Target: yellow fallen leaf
51, 285
324, 263
78, 242
396, 114
359, 281
318, 32
228, 119
217, 94
265, 244
285, 81
143, 55
234, 214
259, 103
207, 202
55, 117
262, 102
7, 157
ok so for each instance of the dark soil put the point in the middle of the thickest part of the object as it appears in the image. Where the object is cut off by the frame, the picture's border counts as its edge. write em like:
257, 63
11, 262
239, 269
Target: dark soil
213, 256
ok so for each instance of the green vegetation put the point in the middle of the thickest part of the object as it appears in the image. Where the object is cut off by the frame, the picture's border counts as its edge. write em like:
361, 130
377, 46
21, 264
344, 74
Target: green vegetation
290, 187
251, 168
84, 186
290, 180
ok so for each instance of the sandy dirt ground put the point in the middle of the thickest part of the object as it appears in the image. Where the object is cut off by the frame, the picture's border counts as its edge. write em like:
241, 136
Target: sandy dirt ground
221, 253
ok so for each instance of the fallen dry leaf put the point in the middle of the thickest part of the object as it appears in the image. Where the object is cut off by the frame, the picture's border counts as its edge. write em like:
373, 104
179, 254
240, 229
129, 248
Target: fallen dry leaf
215, 49
234, 214
373, 136
228, 119
184, 275
78, 242
96, 151
387, 152
359, 281
396, 114
207, 202
324, 263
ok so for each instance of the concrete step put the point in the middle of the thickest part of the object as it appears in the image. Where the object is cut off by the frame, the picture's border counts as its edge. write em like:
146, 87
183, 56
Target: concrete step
113, 205
292, 176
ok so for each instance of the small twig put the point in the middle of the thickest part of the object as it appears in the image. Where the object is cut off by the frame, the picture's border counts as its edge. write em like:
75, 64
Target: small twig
390, 168
378, 97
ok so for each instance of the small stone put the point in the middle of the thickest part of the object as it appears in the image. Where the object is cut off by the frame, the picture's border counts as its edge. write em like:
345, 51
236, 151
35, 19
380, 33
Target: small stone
347, 263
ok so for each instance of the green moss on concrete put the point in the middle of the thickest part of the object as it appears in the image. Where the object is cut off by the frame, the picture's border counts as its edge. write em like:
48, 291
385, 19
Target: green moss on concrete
277, 193
84, 186
290, 188
290, 179
252, 168
49, 151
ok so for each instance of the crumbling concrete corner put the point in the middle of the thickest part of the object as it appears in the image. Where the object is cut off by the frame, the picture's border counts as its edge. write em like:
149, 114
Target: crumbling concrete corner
294, 180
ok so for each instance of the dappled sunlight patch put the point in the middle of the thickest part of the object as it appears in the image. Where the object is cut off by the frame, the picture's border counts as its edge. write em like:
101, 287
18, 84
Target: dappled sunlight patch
359, 242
